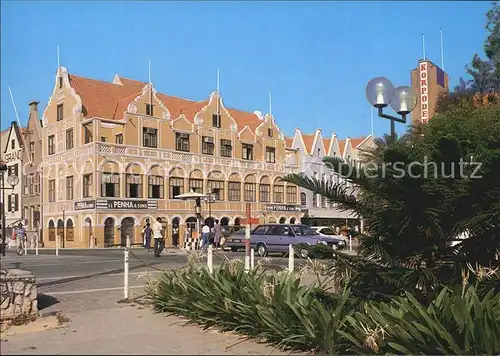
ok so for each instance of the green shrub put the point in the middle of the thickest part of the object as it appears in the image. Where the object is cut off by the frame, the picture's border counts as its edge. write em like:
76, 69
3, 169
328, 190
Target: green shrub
274, 308
455, 323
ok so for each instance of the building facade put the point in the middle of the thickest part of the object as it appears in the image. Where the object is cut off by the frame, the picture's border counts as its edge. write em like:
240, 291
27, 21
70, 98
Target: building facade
12, 155
31, 173
116, 154
428, 82
312, 149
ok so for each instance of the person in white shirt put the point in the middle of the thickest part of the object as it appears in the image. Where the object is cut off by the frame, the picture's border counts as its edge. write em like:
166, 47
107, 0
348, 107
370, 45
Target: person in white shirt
158, 237
205, 233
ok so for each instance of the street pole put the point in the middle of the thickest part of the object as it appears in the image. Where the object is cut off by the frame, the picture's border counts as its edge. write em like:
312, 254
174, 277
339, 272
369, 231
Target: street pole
64, 228
247, 237
198, 216
2, 206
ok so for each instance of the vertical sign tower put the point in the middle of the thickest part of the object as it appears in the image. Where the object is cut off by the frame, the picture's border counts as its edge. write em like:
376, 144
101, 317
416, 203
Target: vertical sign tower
429, 82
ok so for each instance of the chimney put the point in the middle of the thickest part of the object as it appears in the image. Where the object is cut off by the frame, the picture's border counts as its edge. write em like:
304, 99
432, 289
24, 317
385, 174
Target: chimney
34, 105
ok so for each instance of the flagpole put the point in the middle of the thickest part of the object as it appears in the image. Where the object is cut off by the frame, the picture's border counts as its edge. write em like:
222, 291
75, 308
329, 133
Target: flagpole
423, 45
19, 123
270, 105
371, 118
442, 51
218, 95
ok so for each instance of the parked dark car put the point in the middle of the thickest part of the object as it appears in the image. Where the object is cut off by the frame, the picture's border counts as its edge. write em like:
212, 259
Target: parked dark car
275, 238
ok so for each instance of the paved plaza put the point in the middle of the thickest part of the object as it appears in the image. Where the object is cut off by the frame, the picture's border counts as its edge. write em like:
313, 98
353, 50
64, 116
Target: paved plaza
86, 285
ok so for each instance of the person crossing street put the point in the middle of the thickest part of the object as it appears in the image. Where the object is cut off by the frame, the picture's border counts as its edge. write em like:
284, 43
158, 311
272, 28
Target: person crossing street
158, 237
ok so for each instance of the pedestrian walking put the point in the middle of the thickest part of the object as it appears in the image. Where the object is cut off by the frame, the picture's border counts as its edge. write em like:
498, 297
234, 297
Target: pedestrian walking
205, 234
218, 233
158, 237
21, 238
146, 235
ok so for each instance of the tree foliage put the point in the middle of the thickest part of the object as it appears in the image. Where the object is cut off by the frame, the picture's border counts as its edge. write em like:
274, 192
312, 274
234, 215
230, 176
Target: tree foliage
415, 213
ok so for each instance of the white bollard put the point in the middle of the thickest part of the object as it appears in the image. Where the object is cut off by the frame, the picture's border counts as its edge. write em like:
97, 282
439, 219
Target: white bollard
36, 245
57, 245
247, 248
252, 258
210, 261
125, 269
291, 255
350, 243
25, 245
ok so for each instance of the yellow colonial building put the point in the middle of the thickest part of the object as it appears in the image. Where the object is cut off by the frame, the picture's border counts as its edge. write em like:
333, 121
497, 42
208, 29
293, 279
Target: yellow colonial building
116, 154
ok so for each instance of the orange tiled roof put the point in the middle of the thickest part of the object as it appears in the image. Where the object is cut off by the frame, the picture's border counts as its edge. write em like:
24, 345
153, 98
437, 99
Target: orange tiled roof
308, 141
355, 142
288, 142
109, 100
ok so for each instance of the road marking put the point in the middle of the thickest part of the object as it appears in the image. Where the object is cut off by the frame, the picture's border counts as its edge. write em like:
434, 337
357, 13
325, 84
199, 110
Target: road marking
93, 276
91, 290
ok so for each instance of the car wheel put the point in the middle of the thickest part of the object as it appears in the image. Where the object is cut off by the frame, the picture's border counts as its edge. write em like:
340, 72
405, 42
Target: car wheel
262, 250
234, 249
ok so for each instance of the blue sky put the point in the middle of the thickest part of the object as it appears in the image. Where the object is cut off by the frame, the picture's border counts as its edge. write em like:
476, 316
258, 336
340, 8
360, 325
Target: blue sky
314, 57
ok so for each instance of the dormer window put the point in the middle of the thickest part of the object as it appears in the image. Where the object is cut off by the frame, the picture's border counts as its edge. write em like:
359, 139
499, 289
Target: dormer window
60, 112
59, 79
319, 150
270, 132
149, 109
216, 122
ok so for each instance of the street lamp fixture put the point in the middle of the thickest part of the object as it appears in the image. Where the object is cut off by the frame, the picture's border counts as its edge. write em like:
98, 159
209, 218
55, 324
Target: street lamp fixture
13, 180
381, 93
210, 199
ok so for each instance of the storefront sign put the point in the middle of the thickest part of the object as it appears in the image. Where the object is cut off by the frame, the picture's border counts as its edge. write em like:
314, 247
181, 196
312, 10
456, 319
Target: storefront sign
85, 205
424, 94
276, 207
13, 156
127, 204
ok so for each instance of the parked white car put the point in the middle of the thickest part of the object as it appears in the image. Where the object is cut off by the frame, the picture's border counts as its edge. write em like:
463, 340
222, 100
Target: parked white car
340, 242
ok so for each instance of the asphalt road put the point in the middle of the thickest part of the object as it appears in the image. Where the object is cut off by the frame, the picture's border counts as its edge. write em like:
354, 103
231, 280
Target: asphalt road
93, 279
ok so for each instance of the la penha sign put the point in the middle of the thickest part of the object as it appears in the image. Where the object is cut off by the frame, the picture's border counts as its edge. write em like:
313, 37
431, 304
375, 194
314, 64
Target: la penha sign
14, 156
116, 204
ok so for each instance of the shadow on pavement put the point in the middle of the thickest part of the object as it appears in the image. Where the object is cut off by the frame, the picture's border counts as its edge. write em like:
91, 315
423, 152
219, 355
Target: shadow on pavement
45, 301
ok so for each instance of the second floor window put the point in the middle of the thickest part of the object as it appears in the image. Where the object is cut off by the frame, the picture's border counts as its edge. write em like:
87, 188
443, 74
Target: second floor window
247, 151
303, 199
234, 191
32, 184
110, 184
291, 194
207, 145
69, 139
60, 112
279, 191
87, 185
149, 109
51, 145
69, 188
249, 189
134, 185
216, 120
150, 137
264, 190
217, 188
196, 185
87, 131
176, 187
226, 148
270, 154
155, 187
182, 142
52, 190
119, 139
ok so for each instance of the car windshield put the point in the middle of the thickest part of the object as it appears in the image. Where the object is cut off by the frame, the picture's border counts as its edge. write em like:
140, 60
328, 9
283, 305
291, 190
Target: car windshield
304, 230
327, 231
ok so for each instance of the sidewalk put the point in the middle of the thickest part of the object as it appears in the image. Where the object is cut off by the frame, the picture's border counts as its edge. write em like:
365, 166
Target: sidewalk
126, 329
